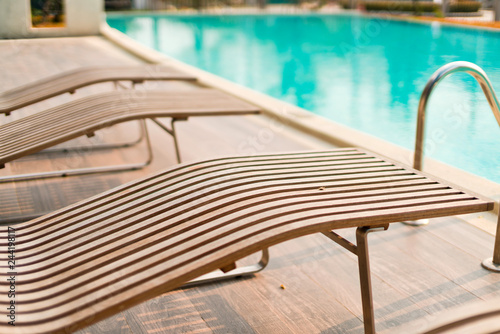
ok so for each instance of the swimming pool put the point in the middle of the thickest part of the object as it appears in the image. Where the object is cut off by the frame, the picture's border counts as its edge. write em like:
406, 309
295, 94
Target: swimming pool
366, 73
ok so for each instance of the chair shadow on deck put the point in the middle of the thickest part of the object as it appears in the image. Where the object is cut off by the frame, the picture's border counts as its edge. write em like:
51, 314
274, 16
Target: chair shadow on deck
27, 200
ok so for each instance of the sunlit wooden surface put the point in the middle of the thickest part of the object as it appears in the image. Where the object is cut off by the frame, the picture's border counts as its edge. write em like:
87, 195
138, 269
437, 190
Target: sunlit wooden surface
417, 271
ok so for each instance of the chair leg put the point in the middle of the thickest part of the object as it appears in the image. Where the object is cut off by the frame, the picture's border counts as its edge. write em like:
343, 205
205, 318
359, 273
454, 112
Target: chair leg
365, 277
88, 170
493, 263
218, 275
176, 142
172, 132
361, 251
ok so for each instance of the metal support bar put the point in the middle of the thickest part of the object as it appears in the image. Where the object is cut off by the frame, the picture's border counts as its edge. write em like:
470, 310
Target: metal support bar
117, 85
342, 242
493, 263
361, 250
172, 132
97, 146
218, 275
88, 170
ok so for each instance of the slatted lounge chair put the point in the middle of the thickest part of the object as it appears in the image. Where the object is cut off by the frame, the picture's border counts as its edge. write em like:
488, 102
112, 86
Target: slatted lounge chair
92, 259
89, 114
70, 81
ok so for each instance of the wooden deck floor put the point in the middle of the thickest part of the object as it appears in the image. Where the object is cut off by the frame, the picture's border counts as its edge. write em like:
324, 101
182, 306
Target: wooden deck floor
417, 272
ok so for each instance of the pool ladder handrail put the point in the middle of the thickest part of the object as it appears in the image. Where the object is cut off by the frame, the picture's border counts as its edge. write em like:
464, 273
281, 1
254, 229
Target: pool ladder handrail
454, 67
477, 73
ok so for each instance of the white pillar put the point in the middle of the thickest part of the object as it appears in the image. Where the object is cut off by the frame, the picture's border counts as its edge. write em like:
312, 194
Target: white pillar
81, 18
496, 8
139, 4
444, 6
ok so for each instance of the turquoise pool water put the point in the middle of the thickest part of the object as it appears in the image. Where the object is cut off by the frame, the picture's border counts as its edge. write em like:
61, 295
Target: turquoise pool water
366, 73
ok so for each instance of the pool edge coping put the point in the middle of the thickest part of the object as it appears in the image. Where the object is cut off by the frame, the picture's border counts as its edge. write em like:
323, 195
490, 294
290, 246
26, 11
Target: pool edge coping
318, 126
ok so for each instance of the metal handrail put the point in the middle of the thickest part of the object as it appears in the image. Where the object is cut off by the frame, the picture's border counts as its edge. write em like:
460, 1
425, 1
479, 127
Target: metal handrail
454, 67
477, 73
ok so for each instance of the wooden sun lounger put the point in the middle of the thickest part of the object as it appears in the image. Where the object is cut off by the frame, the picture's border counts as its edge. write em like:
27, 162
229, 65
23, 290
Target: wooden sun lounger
68, 82
89, 114
90, 260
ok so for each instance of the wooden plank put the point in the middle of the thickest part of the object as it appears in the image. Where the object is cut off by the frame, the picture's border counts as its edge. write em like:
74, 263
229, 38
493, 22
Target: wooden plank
116, 324
427, 288
170, 313
452, 263
468, 238
266, 307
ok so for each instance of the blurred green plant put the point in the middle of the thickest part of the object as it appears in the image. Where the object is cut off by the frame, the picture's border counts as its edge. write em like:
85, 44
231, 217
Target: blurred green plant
47, 12
420, 7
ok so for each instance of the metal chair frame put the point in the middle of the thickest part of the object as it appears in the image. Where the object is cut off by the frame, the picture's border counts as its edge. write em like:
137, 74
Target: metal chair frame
105, 169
